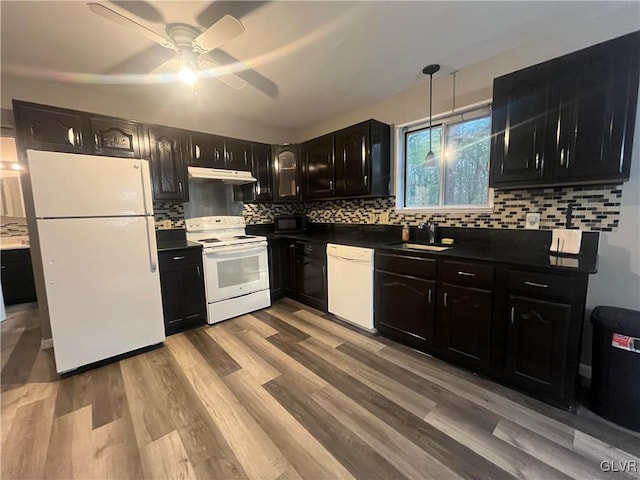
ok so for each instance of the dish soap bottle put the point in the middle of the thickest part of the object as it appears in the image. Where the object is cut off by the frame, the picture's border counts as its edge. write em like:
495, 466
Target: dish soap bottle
405, 233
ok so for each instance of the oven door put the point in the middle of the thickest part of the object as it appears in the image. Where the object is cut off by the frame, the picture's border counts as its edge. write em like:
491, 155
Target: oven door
236, 270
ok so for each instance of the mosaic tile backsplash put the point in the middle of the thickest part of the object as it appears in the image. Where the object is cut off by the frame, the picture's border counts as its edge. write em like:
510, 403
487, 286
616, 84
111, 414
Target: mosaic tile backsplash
13, 227
596, 208
168, 211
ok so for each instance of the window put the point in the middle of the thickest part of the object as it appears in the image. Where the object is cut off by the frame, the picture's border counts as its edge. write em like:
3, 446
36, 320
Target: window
457, 178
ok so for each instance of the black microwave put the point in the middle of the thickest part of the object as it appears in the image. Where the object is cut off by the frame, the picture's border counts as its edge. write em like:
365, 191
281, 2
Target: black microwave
289, 223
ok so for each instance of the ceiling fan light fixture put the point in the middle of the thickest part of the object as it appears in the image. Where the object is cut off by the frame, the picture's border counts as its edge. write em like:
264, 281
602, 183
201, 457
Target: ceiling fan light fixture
188, 76
430, 159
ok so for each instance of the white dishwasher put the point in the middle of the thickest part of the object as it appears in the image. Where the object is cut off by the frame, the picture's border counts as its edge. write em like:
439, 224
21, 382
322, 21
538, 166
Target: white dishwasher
350, 284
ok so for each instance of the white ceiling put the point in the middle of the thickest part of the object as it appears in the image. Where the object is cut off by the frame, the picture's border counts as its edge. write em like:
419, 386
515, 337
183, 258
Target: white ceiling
324, 57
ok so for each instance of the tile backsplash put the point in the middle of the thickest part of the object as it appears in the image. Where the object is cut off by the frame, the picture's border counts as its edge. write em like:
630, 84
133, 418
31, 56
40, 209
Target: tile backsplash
13, 227
168, 211
596, 208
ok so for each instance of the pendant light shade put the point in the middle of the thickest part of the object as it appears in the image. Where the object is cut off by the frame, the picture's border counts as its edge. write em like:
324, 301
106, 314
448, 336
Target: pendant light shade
430, 70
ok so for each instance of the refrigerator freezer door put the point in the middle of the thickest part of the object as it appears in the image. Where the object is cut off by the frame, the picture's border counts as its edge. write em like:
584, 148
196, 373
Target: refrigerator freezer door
71, 185
103, 290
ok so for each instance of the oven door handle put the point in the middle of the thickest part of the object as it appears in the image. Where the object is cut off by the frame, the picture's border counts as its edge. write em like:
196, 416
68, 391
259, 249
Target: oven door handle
236, 248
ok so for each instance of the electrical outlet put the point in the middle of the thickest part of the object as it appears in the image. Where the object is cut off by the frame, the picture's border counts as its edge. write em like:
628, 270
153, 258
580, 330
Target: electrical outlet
166, 224
384, 218
532, 221
373, 217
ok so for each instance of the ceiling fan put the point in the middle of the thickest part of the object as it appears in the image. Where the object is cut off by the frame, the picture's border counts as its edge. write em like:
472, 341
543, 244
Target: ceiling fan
193, 49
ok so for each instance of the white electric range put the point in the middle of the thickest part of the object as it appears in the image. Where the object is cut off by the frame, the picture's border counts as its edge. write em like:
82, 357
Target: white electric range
236, 266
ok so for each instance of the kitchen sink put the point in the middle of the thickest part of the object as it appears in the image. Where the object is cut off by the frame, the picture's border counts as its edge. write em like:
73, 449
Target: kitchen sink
423, 246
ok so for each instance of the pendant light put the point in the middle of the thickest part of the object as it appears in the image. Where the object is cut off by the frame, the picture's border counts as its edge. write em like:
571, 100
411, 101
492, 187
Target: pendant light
430, 70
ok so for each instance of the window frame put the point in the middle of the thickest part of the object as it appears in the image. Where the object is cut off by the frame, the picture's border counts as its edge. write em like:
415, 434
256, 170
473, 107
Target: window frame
444, 119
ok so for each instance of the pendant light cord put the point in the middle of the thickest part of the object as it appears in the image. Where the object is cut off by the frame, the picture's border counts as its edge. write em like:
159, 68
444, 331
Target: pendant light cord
430, 107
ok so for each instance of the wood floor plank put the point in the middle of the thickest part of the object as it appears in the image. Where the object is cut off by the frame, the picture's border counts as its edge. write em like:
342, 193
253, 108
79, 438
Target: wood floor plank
25, 455
258, 367
18, 367
552, 454
390, 388
255, 451
356, 456
598, 450
251, 322
309, 458
283, 329
44, 369
68, 451
217, 357
407, 457
459, 458
114, 454
167, 458
507, 457
108, 395
310, 329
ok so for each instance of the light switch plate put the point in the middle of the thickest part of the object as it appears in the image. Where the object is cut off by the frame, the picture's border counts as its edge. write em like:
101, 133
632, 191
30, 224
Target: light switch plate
384, 218
532, 221
166, 224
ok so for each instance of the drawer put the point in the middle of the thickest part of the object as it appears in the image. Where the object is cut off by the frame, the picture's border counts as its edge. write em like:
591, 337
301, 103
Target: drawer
473, 274
169, 258
541, 283
406, 265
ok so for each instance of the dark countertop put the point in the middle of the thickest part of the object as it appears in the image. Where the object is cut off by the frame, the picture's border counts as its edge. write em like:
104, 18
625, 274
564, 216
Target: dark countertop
525, 248
173, 239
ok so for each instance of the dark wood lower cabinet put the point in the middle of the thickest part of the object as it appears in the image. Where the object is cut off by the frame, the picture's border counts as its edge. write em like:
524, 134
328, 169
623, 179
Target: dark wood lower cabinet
182, 282
311, 276
405, 307
277, 251
464, 324
17, 277
537, 344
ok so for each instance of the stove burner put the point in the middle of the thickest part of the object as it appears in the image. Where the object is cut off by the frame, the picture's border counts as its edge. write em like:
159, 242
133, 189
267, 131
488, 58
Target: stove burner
240, 237
210, 240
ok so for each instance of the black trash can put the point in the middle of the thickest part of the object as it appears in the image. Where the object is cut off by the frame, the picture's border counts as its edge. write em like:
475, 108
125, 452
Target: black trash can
615, 380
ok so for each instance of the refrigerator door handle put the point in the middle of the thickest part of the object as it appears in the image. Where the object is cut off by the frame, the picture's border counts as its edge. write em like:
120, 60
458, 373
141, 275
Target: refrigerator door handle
151, 233
146, 187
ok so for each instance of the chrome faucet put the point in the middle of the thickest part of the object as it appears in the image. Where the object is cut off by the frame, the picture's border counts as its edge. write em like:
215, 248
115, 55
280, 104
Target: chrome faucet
430, 226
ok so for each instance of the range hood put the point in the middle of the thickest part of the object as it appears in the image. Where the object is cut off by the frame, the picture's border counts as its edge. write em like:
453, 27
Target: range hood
233, 177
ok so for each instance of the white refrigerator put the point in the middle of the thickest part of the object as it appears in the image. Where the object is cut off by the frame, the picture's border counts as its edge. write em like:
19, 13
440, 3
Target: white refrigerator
96, 234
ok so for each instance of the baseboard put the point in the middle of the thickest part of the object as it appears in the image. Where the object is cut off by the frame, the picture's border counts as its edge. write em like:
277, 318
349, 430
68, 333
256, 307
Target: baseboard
46, 343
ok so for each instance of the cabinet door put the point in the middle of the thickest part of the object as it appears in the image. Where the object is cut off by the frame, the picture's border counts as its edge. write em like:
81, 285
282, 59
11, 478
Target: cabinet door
205, 150
537, 344
464, 325
261, 160
194, 305
168, 171
237, 154
405, 307
116, 138
353, 160
599, 89
317, 165
312, 281
47, 128
290, 269
519, 122
286, 168
17, 277
277, 268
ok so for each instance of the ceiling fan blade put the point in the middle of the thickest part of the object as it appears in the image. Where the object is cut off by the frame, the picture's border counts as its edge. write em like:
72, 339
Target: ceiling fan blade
170, 66
143, 62
249, 75
218, 9
229, 79
127, 22
220, 32
141, 9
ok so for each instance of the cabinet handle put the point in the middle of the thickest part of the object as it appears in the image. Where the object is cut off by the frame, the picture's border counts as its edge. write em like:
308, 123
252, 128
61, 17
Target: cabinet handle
445, 299
537, 161
216, 154
297, 189
534, 284
198, 267
466, 274
95, 140
366, 180
324, 270
197, 149
513, 314
71, 136
178, 258
3, 267
78, 139
245, 157
331, 185
230, 157
562, 156
180, 187
429, 295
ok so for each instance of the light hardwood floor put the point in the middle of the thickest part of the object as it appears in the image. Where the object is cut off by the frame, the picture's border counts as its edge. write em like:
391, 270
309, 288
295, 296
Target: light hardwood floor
286, 392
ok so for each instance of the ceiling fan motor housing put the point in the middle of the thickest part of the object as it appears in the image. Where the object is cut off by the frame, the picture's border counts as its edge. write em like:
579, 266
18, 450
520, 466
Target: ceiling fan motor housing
182, 36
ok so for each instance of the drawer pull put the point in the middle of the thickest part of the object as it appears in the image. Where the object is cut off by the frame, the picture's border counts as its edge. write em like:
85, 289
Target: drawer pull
534, 284
445, 299
466, 274
178, 258
429, 295
513, 314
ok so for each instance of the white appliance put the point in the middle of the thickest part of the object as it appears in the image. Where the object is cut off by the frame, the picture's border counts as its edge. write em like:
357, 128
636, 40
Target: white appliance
232, 177
350, 284
236, 266
96, 235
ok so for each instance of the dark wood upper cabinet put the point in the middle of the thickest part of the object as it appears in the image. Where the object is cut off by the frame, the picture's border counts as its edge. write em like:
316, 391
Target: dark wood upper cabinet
353, 160
262, 171
168, 171
40, 127
204, 150
318, 167
567, 121
286, 170
237, 154
116, 138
